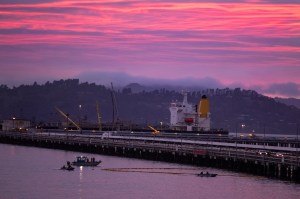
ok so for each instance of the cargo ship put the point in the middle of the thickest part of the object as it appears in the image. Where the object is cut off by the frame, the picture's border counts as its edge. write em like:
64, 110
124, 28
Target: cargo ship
189, 118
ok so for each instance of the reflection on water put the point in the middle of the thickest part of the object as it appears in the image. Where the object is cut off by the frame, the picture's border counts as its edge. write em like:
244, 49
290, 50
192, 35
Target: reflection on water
80, 173
29, 173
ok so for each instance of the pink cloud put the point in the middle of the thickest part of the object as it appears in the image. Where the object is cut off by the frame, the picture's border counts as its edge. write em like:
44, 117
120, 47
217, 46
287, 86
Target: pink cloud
251, 43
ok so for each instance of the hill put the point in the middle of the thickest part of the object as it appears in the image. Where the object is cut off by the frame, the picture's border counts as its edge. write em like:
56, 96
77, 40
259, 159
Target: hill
289, 101
229, 107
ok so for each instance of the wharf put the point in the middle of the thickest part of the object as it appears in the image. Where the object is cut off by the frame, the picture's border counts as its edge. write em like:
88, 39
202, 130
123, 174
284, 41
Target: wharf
281, 161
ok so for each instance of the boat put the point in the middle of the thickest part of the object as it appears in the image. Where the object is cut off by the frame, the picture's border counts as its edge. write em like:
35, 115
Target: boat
68, 167
206, 174
85, 161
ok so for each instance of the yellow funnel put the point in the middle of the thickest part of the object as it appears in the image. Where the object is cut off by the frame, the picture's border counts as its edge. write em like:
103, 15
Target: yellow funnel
203, 107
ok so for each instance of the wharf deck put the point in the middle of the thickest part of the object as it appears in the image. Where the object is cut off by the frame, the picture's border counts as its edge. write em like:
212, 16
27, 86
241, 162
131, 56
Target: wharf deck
279, 162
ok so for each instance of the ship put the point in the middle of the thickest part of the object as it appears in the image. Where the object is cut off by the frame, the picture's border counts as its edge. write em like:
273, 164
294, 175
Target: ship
189, 118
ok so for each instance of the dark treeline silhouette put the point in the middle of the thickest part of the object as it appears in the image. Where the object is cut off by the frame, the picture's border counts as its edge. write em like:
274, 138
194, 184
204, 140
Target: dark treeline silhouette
229, 107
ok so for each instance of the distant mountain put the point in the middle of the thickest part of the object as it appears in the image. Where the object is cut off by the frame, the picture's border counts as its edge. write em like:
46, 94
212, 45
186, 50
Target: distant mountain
289, 101
136, 103
136, 88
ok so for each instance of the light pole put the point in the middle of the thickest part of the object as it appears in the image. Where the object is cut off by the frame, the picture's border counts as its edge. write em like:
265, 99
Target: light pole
297, 132
264, 134
13, 126
297, 143
79, 119
236, 130
243, 132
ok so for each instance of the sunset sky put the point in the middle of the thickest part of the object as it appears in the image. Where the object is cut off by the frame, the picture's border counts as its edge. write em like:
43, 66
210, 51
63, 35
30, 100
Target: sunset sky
253, 44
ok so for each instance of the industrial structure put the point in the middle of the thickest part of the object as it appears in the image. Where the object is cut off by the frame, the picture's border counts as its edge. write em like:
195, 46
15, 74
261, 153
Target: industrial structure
15, 124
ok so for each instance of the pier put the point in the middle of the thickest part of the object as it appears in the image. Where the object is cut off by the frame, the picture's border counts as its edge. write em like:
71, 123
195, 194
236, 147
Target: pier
275, 158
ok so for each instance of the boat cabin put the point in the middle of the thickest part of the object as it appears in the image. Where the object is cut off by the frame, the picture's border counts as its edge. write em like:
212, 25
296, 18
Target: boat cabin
83, 159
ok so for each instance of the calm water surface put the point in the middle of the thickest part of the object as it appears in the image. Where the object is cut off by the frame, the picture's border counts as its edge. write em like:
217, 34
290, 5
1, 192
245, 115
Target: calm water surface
33, 173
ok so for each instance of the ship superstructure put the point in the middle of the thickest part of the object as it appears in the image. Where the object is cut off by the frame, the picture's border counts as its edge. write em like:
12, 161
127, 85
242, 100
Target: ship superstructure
188, 117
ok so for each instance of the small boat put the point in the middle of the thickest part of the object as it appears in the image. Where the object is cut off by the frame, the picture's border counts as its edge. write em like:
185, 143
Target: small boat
68, 167
207, 174
85, 161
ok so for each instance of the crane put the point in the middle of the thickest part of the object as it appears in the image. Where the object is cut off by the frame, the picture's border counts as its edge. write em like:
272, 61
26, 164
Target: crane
155, 131
98, 116
115, 119
68, 118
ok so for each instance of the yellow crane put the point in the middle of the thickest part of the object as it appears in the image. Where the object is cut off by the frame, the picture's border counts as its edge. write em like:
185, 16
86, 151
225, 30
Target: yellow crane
68, 118
155, 131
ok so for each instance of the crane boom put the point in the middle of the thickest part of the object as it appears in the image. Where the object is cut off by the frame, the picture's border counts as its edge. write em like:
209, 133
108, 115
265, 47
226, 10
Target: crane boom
155, 131
68, 118
98, 116
115, 112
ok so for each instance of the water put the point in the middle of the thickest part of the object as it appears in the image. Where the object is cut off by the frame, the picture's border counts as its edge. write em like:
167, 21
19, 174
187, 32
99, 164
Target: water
33, 173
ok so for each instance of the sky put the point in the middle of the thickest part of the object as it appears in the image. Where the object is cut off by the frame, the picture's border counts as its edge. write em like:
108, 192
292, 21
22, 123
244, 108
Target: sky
252, 44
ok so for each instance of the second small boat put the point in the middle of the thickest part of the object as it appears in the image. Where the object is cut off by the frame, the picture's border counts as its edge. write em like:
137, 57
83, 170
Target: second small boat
206, 174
